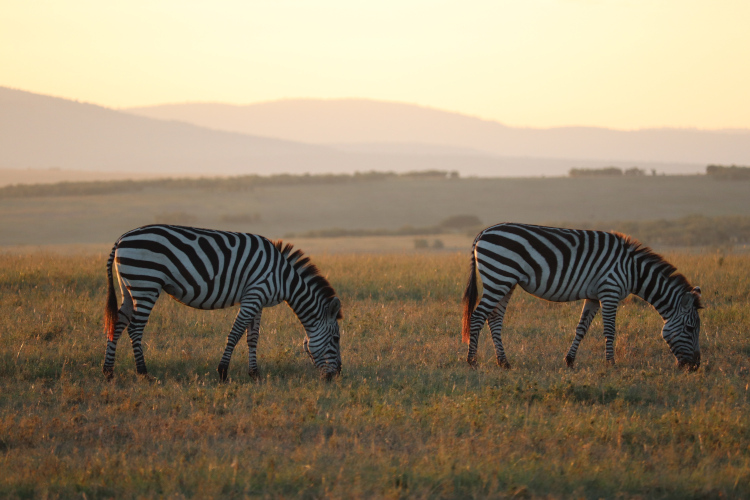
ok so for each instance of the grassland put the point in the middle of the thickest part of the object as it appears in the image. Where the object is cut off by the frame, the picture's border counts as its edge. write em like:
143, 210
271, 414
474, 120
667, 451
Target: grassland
407, 418
97, 213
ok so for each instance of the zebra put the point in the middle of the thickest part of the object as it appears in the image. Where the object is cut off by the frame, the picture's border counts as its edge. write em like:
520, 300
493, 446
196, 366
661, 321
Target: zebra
209, 269
564, 265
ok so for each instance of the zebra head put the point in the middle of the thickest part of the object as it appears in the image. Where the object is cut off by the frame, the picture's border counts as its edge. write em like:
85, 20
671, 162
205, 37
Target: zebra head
682, 330
322, 342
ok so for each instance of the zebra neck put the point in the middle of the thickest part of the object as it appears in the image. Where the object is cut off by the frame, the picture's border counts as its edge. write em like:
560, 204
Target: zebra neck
661, 291
305, 301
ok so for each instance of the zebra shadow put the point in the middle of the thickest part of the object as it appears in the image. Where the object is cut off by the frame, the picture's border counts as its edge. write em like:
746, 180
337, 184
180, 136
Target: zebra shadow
187, 371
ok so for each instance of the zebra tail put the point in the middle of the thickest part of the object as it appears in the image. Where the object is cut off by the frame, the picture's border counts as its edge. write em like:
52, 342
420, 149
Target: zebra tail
470, 299
110, 310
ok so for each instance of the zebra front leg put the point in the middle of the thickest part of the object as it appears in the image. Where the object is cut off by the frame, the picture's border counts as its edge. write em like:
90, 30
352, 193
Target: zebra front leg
135, 331
590, 307
609, 313
253, 333
478, 317
495, 321
248, 310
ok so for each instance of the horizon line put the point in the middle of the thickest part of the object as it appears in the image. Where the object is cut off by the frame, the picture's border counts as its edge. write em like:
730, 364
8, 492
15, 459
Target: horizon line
735, 130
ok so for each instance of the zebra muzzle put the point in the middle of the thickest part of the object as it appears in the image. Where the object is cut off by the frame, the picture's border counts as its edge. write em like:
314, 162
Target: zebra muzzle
691, 364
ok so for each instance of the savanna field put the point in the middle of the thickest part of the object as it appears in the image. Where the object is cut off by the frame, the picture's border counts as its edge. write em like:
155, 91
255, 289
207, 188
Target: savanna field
406, 418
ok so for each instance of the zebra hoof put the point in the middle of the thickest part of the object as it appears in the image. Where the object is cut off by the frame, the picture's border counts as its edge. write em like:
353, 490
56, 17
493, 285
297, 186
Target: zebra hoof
472, 362
611, 362
223, 372
570, 361
109, 372
503, 363
254, 375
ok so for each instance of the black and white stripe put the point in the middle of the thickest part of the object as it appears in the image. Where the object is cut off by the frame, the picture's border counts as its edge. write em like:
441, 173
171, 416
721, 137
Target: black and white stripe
209, 269
567, 264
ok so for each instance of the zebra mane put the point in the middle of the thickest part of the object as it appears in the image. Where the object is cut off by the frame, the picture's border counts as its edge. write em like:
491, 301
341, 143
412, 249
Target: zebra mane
306, 269
663, 267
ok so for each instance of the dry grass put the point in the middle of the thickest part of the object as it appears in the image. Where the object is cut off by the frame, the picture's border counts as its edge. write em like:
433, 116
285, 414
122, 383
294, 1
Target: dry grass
407, 418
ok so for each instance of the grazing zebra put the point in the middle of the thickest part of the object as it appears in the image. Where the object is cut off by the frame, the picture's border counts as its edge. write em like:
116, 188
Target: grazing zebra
563, 265
209, 269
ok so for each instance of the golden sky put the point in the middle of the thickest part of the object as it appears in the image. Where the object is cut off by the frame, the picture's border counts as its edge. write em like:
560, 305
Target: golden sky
539, 63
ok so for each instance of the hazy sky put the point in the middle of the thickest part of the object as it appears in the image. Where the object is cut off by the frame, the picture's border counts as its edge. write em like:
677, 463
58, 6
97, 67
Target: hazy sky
538, 63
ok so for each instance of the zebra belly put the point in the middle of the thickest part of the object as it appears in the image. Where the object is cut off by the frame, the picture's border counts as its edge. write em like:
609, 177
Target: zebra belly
593, 288
200, 302
569, 296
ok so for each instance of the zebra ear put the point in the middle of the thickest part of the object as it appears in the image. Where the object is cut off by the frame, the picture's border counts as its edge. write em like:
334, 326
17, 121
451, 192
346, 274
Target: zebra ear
687, 300
333, 308
697, 291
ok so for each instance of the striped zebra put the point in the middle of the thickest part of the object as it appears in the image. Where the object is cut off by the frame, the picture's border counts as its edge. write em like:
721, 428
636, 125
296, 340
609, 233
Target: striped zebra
209, 269
563, 265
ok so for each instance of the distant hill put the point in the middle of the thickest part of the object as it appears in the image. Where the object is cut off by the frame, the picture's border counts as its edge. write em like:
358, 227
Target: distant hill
45, 132
40, 133
362, 122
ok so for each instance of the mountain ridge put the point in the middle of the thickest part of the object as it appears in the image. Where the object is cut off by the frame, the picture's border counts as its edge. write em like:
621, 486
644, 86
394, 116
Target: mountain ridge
344, 121
42, 132
38, 131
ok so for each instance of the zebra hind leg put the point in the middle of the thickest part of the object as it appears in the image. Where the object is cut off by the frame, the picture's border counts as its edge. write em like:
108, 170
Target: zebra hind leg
144, 303
124, 315
478, 318
253, 333
495, 321
486, 306
590, 308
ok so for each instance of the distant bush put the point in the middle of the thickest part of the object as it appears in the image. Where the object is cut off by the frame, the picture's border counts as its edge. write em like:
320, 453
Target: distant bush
220, 184
730, 173
634, 172
438, 244
461, 222
606, 172
72, 188
440, 174
595, 172
420, 244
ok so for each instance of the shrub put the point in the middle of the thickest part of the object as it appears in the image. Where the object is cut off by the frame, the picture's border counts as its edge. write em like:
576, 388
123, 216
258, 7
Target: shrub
461, 222
730, 173
595, 172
